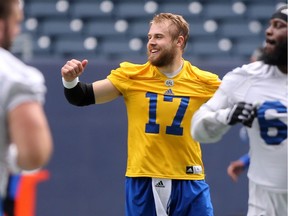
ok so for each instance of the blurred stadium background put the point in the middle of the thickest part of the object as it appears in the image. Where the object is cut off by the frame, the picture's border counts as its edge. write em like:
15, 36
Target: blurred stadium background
88, 166
117, 29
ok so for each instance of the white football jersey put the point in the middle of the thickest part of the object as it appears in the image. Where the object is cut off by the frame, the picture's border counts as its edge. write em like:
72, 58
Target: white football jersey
19, 83
266, 86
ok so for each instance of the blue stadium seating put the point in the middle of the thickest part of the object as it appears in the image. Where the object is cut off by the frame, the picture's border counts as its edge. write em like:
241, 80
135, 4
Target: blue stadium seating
43, 9
69, 47
101, 28
138, 28
220, 10
237, 29
130, 10
56, 27
197, 29
203, 47
87, 10
260, 11
99, 22
244, 47
177, 8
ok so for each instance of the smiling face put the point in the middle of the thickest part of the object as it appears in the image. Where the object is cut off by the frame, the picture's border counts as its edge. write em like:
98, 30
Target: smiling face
161, 47
275, 50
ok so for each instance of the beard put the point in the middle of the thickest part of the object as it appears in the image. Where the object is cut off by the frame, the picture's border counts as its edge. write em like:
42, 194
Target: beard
278, 57
165, 58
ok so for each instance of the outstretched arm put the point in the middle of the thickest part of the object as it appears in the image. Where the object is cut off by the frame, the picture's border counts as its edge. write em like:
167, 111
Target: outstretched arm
82, 94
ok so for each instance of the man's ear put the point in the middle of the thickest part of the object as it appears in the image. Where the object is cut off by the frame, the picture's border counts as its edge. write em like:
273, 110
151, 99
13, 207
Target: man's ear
180, 40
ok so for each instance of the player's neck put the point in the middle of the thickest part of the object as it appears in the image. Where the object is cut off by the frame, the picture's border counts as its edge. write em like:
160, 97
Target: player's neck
172, 70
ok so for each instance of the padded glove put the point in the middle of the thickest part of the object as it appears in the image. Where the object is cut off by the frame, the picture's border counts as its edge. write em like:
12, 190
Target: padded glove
243, 113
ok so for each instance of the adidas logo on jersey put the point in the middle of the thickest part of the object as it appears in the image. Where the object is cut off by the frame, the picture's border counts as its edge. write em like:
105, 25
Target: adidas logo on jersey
189, 170
169, 92
160, 184
194, 169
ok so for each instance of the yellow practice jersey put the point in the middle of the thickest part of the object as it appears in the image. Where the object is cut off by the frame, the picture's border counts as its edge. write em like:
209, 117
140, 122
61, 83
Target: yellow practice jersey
159, 111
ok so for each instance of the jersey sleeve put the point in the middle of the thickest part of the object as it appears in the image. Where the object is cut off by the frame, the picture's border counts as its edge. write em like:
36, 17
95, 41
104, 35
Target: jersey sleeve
246, 160
205, 125
122, 76
209, 81
119, 79
209, 123
26, 88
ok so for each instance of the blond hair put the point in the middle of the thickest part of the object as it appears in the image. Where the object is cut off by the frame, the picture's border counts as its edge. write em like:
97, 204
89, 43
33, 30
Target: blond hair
182, 27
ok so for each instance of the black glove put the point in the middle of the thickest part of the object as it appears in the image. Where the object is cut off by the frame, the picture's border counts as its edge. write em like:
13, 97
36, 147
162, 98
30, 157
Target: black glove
242, 112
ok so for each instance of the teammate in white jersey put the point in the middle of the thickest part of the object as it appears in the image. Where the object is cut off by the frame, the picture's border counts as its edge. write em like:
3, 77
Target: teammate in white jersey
256, 95
236, 167
22, 118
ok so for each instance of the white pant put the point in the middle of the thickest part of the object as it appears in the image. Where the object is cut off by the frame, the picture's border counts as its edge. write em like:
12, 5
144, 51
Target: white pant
161, 191
263, 202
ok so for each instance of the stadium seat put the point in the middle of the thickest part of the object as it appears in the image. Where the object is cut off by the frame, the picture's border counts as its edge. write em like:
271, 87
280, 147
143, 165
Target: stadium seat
204, 47
43, 9
236, 29
72, 47
41, 53
261, 10
131, 10
220, 10
138, 29
177, 8
115, 46
197, 29
33, 1
56, 27
87, 10
101, 28
245, 47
